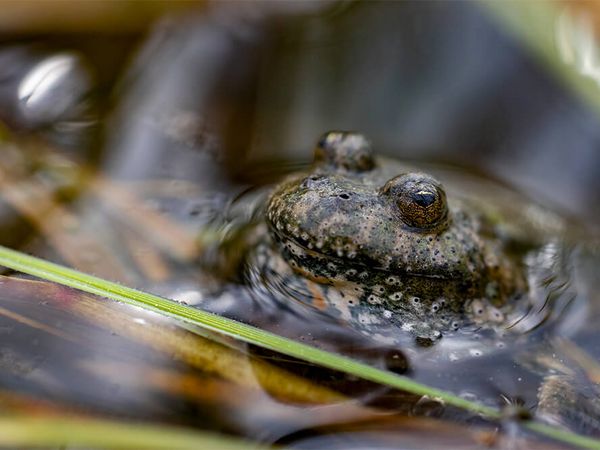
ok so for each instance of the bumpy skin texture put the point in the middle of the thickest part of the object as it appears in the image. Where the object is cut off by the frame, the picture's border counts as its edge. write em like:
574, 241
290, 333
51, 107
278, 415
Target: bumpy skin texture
388, 243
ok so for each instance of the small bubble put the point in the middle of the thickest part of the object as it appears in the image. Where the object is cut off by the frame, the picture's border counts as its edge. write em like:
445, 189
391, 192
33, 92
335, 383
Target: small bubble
396, 362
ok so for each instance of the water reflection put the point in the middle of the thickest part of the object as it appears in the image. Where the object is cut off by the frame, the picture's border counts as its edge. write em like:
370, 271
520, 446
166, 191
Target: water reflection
576, 39
54, 89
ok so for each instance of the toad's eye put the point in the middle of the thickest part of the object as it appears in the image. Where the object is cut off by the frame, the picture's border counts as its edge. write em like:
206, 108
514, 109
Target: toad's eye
420, 199
344, 150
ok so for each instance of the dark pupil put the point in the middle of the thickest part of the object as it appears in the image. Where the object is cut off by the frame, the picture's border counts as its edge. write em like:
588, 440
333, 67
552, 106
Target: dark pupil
424, 199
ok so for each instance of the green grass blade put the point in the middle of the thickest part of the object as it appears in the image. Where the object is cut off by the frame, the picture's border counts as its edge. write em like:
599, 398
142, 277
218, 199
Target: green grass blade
537, 25
69, 277
565, 436
70, 431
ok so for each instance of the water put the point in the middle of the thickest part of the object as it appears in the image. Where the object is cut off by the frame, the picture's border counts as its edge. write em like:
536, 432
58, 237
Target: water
476, 362
182, 164
498, 368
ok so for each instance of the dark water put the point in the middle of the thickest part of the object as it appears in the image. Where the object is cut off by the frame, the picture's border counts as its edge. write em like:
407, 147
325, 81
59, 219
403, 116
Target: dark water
149, 165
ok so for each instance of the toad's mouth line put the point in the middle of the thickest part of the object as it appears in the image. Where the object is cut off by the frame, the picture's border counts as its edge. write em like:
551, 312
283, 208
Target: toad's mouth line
369, 266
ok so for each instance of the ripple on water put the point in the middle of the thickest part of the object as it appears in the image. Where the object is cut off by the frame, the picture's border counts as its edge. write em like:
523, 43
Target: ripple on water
490, 363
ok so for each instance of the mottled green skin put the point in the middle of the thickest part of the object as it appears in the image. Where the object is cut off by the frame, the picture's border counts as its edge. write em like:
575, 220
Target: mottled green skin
341, 232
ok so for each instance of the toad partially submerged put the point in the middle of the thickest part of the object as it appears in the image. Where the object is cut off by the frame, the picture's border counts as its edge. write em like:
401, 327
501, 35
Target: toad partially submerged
392, 252
384, 248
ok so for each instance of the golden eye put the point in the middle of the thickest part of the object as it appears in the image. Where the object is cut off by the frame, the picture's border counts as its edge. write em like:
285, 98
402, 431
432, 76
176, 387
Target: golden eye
420, 199
344, 150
